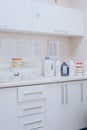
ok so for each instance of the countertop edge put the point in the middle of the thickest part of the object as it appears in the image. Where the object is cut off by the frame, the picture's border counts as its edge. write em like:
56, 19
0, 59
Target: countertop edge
42, 80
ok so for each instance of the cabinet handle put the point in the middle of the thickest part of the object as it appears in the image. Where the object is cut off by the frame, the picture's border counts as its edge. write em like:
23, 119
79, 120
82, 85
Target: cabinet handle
66, 93
30, 123
62, 94
27, 108
61, 32
37, 128
81, 92
33, 93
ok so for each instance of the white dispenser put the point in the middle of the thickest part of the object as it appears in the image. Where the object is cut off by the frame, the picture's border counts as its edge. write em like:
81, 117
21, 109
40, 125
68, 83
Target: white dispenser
58, 68
85, 67
71, 68
48, 67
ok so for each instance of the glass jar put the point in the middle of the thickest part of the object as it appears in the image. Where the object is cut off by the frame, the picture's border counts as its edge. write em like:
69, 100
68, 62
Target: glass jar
16, 62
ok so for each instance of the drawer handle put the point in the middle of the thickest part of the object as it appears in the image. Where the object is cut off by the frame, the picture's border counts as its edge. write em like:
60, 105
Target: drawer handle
37, 128
81, 92
33, 93
66, 91
30, 123
60, 31
37, 107
62, 94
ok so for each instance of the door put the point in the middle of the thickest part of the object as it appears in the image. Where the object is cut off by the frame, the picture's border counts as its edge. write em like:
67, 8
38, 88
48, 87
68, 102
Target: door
71, 107
54, 115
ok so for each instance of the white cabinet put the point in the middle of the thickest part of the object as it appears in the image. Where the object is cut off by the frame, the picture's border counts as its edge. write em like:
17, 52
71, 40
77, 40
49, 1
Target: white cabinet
41, 18
8, 109
75, 22
83, 106
37, 17
51, 19
31, 113
16, 14
48, 18
55, 109
71, 106
65, 106
56, 106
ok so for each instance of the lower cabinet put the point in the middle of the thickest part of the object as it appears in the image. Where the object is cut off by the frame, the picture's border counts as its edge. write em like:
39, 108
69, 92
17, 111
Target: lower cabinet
8, 109
55, 109
66, 106
31, 108
84, 107
72, 104
55, 106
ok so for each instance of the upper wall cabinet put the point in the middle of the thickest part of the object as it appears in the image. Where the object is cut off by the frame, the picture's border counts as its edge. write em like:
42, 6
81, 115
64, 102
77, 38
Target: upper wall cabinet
16, 14
48, 18
40, 18
76, 22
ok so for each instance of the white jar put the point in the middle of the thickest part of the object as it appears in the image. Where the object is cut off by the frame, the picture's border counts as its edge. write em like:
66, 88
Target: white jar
85, 67
58, 68
71, 68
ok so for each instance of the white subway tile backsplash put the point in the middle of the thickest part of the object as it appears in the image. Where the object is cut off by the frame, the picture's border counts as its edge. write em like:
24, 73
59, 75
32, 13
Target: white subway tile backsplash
24, 48
8, 49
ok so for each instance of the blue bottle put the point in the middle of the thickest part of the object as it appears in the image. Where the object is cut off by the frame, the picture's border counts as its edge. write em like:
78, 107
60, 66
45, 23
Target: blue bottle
64, 69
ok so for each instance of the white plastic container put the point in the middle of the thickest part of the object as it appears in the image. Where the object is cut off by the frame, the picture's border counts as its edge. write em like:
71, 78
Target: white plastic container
48, 67
71, 68
85, 67
58, 68
79, 68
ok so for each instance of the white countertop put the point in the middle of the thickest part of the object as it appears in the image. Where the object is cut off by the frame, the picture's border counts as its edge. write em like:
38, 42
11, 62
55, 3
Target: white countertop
42, 80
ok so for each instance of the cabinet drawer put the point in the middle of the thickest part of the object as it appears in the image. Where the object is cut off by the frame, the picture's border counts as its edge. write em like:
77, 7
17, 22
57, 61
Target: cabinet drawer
35, 122
32, 107
29, 93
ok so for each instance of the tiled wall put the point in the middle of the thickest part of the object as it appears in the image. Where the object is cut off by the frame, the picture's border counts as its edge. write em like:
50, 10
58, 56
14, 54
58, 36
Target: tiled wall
16, 39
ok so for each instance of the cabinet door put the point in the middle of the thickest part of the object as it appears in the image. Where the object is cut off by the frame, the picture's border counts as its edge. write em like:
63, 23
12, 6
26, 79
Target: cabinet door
75, 22
8, 109
54, 115
71, 107
15, 14
43, 17
48, 18
61, 18
82, 106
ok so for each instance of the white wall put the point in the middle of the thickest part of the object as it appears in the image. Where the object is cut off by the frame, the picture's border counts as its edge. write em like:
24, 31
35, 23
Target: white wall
79, 45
